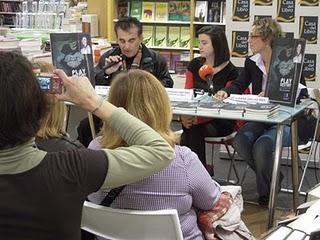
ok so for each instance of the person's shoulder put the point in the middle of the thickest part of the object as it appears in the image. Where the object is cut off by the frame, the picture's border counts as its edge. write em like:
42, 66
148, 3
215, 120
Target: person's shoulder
95, 143
185, 155
195, 63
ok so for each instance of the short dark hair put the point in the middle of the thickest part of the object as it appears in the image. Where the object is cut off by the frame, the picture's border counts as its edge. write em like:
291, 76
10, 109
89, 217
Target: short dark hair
126, 23
219, 43
23, 104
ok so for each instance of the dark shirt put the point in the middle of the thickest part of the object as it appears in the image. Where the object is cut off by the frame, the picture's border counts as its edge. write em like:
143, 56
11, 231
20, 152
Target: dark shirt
230, 72
46, 201
58, 144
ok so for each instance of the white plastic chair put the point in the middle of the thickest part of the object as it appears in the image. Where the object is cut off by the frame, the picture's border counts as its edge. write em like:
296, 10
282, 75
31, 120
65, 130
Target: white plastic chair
130, 224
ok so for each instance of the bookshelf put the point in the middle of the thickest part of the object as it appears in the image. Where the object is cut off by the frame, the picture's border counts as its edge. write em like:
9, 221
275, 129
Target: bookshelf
188, 24
8, 11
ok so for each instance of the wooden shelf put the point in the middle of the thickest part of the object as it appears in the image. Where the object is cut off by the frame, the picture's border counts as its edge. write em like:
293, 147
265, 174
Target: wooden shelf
8, 13
209, 23
162, 22
169, 48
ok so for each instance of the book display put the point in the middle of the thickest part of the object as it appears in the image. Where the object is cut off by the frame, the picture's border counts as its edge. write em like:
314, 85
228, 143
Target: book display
72, 52
261, 111
285, 70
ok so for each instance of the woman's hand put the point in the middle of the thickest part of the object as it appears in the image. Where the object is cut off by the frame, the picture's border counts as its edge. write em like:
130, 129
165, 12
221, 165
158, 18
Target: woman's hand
187, 121
221, 95
78, 90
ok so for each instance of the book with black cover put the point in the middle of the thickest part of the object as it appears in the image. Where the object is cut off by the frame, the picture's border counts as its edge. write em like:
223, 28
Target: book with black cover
72, 53
285, 70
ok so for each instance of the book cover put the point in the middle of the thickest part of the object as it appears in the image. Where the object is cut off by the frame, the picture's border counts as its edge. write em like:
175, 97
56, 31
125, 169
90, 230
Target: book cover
161, 34
262, 107
72, 53
173, 36
285, 70
185, 11
201, 11
123, 8
148, 35
161, 11
136, 9
185, 37
214, 11
167, 56
148, 11
175, 56
174, 10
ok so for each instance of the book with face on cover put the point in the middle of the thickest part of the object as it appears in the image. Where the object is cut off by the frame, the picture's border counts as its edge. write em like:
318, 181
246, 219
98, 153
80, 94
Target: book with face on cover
72, 53
285, 70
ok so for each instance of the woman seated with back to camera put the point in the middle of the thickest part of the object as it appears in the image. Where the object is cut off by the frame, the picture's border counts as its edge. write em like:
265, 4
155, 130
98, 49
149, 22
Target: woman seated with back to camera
42, 193
214, 51
51, 136
185, 185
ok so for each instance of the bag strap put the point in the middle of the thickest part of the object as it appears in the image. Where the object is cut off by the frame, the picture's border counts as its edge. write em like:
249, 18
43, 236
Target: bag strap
111, 196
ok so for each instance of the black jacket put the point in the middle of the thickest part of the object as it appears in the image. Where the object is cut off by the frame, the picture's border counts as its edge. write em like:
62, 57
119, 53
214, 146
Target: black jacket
58, 144
151, 61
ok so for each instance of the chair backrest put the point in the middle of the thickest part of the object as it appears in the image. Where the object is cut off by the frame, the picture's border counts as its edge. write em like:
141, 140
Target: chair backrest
130, 224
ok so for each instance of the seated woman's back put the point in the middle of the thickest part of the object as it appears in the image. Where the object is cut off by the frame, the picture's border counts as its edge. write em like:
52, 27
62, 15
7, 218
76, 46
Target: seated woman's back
185, 185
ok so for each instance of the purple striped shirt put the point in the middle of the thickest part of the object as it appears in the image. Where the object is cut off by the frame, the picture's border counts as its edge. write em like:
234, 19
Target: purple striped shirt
184, 185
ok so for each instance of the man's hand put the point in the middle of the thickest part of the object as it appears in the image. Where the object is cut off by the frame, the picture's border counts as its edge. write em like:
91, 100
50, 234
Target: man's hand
187, 121
221, 95
112, 59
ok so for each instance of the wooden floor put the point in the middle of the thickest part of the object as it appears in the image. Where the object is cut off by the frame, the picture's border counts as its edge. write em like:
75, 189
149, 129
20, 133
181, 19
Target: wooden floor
256, 218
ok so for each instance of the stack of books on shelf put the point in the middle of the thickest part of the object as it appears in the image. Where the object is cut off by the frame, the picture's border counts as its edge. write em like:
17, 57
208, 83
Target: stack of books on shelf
155, 11
233, 110
261, 110
210, 11
210, 107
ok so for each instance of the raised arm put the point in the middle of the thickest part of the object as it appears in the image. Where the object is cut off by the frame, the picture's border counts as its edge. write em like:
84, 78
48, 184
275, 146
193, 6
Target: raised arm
147, 153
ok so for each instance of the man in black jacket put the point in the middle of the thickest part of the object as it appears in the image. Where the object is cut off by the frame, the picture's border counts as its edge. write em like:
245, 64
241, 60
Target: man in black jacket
131, 53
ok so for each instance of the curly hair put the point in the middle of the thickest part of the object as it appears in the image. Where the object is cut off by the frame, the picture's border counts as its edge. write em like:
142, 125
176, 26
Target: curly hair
267, 28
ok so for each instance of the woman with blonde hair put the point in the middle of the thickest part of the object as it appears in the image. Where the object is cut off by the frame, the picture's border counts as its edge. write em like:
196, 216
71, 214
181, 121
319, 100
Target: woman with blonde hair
52, 136
185, 185
255, 141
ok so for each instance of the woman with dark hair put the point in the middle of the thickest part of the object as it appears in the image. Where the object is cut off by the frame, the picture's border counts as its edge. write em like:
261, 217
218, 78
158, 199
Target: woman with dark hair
214, 51
42, 193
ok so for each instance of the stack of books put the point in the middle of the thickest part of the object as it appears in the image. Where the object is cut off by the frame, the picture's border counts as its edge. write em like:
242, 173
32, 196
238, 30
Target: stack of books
210, 107
233, 110
31, 47
262, 110
186, 107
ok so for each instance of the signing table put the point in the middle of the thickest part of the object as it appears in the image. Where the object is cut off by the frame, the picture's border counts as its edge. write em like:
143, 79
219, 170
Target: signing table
285, 115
